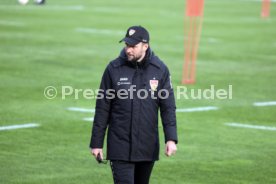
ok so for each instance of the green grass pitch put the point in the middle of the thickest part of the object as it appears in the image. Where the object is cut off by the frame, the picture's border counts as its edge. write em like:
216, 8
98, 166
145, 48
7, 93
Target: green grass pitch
69, 43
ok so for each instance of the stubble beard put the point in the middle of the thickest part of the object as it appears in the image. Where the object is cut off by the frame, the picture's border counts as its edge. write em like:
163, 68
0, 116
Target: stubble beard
132, 58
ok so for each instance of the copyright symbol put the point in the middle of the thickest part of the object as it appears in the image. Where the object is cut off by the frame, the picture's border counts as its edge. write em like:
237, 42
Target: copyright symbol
50, 92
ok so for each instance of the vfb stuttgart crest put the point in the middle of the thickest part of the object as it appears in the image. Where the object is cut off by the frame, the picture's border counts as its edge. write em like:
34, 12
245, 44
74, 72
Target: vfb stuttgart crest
131, 32
153, 85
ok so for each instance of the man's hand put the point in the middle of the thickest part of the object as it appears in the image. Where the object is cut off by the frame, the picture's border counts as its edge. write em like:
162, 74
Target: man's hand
96, 151
170, 148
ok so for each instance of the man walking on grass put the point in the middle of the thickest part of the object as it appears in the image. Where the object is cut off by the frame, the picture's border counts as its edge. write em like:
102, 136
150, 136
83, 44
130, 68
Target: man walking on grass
134, 87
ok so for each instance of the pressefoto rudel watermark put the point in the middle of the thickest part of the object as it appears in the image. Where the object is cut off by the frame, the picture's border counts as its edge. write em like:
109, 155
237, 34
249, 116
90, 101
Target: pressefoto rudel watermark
181, 92
204, 94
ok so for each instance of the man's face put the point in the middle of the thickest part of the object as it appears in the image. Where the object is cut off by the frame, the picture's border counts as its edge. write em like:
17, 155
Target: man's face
136, 52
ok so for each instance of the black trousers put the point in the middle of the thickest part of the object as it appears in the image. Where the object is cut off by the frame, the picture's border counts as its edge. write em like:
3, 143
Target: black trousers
131, 172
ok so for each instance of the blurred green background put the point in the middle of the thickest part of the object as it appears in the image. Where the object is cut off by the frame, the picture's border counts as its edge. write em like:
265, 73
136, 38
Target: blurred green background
70, 42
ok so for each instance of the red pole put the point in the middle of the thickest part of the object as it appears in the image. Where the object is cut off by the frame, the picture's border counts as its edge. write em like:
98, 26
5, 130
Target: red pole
192, 31
265, 9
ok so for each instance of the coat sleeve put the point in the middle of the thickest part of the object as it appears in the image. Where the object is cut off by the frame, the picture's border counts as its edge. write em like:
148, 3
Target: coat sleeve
167, 109
102, 112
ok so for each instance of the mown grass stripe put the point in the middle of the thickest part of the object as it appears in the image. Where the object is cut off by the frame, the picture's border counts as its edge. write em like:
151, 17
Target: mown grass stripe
11, 23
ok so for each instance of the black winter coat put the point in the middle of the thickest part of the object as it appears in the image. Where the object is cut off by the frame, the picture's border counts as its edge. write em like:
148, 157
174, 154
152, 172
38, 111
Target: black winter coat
133, 122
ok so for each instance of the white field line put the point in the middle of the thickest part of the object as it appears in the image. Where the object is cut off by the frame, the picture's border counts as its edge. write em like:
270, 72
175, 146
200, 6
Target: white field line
11, 23
251, 126
213, 40
207, 39
259, 0
107, 10
196, 109
62, 7
230, 21
81, 109
46, 8
245, 1
262, 104
12, 127
99, 31
88, 119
